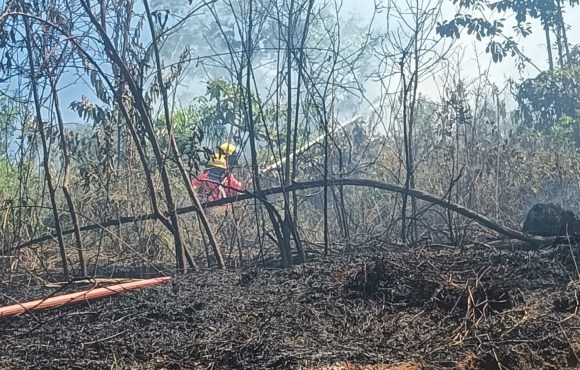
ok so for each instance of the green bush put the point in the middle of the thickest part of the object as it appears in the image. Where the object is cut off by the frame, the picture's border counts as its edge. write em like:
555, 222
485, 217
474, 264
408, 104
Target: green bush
8, 180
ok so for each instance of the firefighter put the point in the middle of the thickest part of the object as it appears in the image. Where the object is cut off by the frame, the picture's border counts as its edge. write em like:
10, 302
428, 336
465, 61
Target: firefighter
230, 152
232, 155
217, 181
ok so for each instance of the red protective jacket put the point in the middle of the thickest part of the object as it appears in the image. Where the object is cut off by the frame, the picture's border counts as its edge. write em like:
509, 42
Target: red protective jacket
210, 190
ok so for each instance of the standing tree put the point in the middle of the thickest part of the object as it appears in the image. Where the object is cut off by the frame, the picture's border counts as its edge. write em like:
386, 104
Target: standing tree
410, 54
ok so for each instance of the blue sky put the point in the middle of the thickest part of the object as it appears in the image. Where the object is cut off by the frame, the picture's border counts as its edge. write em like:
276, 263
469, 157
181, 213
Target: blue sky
533, 46
473, 53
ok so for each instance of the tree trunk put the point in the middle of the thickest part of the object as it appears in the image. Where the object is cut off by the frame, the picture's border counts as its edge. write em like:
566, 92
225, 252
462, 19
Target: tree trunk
415, 84
559, 45
65, 179
45, 149
406, 146
193, 196
301, 56
288, 224
549, 46
272, 214
562, 27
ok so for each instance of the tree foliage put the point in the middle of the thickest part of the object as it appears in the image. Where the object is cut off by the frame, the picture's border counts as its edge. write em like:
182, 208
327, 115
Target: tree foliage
551, 99
471, 17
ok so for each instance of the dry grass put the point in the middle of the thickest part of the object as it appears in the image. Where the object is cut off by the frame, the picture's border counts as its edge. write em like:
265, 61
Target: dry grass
500, 179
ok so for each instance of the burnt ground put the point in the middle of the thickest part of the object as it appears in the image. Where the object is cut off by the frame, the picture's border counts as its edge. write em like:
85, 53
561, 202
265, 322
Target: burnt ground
439, 308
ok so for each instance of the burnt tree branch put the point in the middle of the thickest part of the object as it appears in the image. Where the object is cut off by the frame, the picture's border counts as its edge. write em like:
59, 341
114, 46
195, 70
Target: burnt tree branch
418, 194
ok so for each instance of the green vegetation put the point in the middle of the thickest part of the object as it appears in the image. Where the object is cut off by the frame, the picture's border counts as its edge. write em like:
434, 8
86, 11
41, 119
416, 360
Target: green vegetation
274, 77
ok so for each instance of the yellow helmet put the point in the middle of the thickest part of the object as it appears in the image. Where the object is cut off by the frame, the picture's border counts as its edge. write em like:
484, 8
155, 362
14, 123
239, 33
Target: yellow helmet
217, 160
227, 149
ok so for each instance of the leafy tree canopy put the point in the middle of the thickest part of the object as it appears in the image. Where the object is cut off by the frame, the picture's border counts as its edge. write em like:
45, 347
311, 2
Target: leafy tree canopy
550, 102
500, 45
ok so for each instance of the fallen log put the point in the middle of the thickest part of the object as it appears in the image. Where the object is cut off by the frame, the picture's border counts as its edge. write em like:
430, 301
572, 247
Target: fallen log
78, 297
482, 220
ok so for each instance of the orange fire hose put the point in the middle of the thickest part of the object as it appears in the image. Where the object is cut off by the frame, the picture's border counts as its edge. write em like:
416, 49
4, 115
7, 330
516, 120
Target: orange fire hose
86, 295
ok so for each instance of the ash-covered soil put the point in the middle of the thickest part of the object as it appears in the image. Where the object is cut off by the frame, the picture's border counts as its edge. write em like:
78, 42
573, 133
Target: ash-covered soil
428, 308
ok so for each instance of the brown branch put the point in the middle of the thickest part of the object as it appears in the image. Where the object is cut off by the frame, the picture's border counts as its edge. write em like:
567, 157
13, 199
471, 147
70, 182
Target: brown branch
482, 220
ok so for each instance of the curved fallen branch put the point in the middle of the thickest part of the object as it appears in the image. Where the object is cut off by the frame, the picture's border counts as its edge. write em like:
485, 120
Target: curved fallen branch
482, 220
